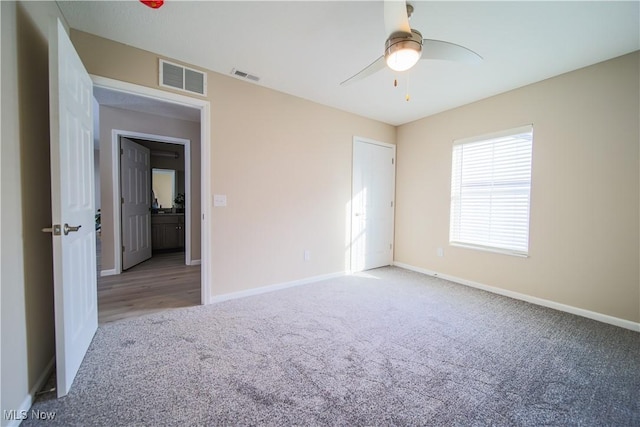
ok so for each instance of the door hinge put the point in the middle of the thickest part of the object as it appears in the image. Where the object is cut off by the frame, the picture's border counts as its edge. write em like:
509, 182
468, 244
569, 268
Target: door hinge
392, 203
390, 246
121, 151
123, 249
122, 200
392, 160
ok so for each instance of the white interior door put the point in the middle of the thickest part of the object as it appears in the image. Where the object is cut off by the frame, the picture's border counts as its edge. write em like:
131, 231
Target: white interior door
135, 185
372, 204
73, 206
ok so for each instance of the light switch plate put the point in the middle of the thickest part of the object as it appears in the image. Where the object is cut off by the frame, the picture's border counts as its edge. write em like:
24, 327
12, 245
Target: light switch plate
219, 200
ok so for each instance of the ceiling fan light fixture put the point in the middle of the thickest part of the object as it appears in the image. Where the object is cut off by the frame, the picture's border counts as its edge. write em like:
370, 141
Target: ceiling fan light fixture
402, 50
402, 59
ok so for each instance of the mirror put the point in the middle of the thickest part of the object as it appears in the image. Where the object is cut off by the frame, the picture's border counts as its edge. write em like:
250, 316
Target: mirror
163, 182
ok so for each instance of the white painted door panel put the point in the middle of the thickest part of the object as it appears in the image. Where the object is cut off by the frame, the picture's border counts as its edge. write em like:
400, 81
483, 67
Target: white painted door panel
372, 205
135, 183
72, 200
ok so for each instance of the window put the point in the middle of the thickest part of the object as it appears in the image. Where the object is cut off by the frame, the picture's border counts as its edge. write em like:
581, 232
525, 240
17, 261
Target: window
490, 191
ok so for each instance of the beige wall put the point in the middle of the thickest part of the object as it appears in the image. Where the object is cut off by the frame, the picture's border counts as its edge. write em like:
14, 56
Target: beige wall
584, 233
26, 291
134, 121
283, 162
287, 174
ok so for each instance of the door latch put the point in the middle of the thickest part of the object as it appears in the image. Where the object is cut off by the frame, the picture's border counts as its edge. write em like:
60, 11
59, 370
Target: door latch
55, 230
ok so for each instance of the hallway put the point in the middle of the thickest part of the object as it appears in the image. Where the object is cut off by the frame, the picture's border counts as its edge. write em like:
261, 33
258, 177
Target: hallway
160, 283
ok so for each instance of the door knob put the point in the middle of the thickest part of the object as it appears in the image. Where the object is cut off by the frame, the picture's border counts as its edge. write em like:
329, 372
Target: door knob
67, 229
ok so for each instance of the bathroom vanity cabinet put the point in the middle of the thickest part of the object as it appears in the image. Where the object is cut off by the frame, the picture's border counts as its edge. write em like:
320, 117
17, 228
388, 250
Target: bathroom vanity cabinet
167, 231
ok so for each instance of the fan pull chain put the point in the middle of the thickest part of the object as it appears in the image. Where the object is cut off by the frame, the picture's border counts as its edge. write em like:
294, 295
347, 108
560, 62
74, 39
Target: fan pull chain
407, 97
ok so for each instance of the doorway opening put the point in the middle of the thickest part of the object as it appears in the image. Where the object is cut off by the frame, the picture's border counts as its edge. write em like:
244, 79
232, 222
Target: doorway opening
175, 272
169, 160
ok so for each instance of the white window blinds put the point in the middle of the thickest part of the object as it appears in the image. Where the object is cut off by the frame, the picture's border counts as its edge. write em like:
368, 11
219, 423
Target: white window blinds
490, 191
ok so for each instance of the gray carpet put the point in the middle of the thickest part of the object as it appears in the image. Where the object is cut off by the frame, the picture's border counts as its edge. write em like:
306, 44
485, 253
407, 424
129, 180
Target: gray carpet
391, 347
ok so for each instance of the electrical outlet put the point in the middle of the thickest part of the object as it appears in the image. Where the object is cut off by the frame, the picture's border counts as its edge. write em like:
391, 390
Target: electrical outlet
440, 252
307, 255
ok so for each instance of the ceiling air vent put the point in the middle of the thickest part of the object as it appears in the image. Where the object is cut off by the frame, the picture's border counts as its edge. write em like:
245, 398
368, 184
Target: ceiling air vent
183, 78
243, 75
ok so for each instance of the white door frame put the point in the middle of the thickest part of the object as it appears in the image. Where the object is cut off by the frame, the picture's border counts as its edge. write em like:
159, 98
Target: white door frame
357, 139
115, 167
205, 169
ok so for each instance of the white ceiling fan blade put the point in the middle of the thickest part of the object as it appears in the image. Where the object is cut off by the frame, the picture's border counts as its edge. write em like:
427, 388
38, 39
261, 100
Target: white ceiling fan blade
395, 17
437, 49
370, 69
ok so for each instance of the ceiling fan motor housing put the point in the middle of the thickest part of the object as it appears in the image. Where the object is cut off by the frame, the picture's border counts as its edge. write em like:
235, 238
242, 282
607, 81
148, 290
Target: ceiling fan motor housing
402, 41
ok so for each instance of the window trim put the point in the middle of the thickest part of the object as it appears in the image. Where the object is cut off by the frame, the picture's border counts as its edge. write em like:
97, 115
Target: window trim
485, 248
492, 135
492, 249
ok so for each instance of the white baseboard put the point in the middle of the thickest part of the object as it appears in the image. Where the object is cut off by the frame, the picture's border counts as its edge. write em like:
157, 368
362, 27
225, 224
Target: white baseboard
25, 406
627, 324
194, 262
111, 272
275, 287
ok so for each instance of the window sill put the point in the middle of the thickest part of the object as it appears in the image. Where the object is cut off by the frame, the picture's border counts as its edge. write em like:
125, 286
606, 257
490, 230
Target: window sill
490, 249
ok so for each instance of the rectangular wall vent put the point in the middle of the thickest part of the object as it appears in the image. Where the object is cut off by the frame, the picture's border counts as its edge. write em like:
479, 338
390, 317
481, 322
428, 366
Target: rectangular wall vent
243, 75
182, 78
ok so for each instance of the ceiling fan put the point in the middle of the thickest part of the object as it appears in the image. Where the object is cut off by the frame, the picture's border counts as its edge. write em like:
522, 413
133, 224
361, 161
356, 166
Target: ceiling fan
405, 46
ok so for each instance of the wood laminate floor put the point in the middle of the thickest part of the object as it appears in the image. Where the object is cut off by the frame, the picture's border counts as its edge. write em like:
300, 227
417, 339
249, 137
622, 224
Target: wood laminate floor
160, 283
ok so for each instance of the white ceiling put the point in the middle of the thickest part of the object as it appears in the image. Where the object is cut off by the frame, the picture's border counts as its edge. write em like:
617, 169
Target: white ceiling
307, 48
